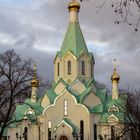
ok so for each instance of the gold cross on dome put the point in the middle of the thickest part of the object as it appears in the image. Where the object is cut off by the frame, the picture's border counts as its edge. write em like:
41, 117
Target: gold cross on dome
35, 67
115, 64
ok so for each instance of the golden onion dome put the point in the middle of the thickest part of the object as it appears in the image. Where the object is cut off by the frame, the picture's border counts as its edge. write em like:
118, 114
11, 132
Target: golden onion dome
115, 77
35, 81
74, 6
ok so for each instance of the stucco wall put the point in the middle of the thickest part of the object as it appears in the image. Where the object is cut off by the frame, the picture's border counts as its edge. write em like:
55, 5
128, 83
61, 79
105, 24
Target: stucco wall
76, 112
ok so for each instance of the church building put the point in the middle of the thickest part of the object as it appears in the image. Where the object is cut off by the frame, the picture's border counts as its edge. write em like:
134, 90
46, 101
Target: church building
76, 107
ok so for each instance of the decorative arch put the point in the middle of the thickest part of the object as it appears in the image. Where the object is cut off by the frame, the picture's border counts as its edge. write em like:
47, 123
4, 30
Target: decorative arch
113, 109
63, 137
77, 87
112, 119
59, 96
29, 112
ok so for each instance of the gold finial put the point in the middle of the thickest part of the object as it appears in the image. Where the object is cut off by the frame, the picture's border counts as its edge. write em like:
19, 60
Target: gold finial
115, 64
115, 77
35, 81
35, 71
74, 5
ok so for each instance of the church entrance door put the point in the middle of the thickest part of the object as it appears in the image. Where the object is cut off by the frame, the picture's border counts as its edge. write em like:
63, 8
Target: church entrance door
63, 138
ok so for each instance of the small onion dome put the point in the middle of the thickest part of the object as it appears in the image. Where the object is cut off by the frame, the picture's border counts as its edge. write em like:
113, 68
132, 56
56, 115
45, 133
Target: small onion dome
115, 77
74, 6
35, 83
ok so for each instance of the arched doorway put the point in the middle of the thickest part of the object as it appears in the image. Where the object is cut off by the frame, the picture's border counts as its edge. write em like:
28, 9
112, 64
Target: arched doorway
63, 138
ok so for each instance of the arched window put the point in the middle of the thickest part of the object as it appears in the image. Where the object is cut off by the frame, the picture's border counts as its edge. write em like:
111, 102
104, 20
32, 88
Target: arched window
112, 133
50, 124
83, 67
58, 71
65, 107
69, 67
26, 133
49, 130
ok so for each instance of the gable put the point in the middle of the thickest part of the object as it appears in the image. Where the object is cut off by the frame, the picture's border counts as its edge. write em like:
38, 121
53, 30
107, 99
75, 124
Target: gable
58, 107
84, 56
45, 101
69, 55
59, 88
77, 87
91, 100
112, 119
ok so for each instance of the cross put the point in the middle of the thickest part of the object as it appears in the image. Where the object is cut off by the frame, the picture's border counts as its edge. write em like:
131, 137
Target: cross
115, 64
35, 70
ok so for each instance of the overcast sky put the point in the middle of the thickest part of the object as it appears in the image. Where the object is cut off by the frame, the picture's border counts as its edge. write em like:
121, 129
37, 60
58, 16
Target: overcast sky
36, 29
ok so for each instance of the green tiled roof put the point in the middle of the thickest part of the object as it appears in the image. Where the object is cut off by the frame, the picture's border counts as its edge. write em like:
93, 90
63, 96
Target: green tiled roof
51, 95
110, 102
102, 93
104, 117
97, 109
20, 111
74, 41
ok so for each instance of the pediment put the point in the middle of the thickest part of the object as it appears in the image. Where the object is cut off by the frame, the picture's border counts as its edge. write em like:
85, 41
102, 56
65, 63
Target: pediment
65, 124
77, 87
69, 54
112, 119
84, 55
113, 109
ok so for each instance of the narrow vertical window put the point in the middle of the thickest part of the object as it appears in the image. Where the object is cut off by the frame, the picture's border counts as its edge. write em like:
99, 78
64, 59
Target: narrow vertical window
82, 130
49, 130
58, 71
26, 133
50, 124
95, 132
65, 107
91, 68
69, 67
83, 67
112, 133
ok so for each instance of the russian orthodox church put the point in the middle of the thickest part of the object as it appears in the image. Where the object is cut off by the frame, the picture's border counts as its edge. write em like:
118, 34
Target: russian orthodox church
76, 107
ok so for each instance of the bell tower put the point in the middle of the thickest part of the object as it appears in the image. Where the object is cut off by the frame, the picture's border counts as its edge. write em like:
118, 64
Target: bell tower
73, 60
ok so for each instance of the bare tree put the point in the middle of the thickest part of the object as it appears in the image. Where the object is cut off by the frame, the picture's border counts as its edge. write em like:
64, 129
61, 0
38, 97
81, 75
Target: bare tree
131, 110
15, 77
126, 11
